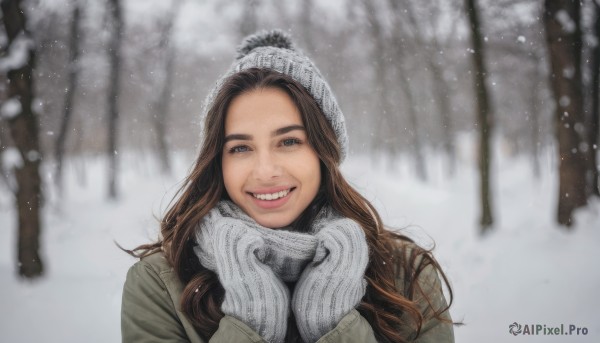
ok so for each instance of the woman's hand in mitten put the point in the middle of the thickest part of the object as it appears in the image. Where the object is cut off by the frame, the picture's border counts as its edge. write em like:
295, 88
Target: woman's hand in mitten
333, 283
253, 293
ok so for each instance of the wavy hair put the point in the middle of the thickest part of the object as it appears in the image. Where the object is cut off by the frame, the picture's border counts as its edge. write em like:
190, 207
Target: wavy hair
202, 296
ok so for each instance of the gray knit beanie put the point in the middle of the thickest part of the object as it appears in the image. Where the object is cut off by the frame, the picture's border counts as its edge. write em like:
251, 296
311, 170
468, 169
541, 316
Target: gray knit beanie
274, 50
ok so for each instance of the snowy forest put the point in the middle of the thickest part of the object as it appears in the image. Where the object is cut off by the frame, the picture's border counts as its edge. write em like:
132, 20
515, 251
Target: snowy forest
474, 127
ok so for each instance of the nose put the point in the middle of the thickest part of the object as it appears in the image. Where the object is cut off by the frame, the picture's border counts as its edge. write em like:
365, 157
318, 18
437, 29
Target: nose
266, 167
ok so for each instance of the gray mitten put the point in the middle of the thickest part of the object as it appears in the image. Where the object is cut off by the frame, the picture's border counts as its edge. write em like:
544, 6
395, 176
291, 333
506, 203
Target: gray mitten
333, 283
253, 293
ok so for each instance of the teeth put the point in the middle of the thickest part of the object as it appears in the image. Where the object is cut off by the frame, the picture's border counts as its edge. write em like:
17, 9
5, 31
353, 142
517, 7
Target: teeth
271, 196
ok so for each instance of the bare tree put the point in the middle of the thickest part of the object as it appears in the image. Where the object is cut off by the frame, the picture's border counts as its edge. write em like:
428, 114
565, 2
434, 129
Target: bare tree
165, 88
484, 115
114, 53
23, 123
73, 75
405, 85
534, 117
431, 49
563, 35
594, 95
386, 128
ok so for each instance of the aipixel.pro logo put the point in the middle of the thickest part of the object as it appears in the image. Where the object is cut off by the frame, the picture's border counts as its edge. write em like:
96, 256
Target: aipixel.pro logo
545, 330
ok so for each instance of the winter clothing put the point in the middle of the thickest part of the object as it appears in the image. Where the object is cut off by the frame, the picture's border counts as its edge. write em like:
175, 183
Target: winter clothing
235, 247
333, 283
274, 50
252, 261
253, 293
151, 313
285, 252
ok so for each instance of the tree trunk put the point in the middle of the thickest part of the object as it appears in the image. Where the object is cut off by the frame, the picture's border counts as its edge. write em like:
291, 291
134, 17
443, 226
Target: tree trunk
161, 114
431, 54
417, 149
113, 96
404, 83
68, 107
563, 34
534, 117
595, 100
440, 89
24, 126
533, 100
386, 132
484, 116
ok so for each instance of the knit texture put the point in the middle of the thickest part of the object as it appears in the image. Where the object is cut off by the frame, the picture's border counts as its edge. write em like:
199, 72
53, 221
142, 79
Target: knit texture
252, 262
274, 50
333, 283
253, 293
285, 252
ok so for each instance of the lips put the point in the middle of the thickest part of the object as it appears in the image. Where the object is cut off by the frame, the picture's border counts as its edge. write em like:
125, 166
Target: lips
272, 196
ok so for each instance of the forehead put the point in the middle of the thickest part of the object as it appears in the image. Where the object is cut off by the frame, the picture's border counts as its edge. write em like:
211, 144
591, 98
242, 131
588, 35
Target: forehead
261, 109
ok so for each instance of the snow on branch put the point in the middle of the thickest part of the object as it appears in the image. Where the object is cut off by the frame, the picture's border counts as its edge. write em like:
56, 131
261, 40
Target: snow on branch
10, 108
18, 53
567, 24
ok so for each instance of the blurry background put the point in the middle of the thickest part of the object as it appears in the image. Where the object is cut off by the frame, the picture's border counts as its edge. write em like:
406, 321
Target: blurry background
473, 124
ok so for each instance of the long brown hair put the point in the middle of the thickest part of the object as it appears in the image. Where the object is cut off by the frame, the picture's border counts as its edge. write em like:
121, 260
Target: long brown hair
202, 296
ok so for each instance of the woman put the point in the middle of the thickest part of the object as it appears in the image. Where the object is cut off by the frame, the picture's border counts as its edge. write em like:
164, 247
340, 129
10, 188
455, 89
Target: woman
266, 241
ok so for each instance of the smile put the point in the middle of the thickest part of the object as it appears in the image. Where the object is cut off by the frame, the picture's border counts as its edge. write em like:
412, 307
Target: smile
272, 196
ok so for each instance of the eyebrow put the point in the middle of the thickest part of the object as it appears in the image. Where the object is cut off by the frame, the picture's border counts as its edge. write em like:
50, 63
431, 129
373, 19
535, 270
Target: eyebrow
278, 132
287, 129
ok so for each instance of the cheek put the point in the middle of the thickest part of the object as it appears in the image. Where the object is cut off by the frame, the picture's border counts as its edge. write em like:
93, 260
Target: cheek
232, 176
309, 169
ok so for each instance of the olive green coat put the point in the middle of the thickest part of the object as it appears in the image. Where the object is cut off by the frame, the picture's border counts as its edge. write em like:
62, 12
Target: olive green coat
150, 311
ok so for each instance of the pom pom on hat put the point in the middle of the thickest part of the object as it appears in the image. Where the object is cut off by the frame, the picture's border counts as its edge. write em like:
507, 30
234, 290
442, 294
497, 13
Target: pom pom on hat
273, 38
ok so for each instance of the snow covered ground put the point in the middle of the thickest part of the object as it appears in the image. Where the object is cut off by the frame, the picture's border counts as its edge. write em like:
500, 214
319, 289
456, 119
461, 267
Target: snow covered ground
527, 271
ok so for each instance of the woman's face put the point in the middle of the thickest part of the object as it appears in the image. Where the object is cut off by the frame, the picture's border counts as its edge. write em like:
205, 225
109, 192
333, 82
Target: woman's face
269, 168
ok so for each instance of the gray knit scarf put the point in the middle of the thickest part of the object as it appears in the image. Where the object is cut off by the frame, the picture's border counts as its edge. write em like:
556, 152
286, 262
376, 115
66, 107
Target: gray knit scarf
287, 251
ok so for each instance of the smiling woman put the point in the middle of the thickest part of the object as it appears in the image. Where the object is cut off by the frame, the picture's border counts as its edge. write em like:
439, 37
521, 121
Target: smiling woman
266, 241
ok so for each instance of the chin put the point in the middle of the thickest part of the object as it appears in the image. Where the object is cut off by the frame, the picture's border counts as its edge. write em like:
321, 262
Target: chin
273, 223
